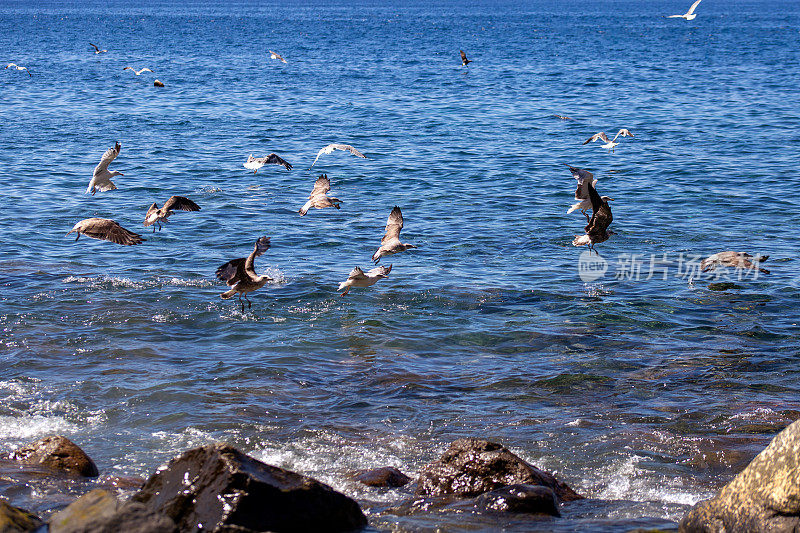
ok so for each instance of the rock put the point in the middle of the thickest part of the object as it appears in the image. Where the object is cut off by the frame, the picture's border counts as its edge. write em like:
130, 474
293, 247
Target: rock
765, 496
225, 490
98, 511
16, 520
520, 498
387, 476
57, 453
471, 467
158, 83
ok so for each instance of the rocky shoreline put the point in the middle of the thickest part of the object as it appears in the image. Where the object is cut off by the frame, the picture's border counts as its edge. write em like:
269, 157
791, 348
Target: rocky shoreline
217, 488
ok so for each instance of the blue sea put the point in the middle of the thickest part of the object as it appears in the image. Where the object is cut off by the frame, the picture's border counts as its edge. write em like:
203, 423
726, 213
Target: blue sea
646, 388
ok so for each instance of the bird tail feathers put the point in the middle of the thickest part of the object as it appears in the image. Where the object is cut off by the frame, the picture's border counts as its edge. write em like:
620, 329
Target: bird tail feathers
228, 294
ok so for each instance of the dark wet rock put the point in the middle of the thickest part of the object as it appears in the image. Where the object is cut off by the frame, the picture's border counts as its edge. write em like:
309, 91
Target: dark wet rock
99, 511
387, 476
520, 498
158, 83
59, 454
765, 496
226, 490
16, 520
471, 467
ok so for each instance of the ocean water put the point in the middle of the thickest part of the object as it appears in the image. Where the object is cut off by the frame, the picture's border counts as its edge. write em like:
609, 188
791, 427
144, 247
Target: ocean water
644, 390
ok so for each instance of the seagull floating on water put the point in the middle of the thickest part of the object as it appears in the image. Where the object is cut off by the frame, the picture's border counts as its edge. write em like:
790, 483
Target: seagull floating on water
464, 61
738, 260
358, 278
240, 274
106, 230
254, 163
159, 216
14, 65
585, 178
97, 49
689, 15
138, 72
331, 147
101, 179
318, 197
276, 55
390, 243
610, 145
562, 117
597, 228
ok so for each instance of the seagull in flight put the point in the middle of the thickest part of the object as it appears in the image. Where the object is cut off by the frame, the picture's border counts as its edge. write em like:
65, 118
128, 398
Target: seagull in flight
737, 260
158, 216
276, 55
585, 178
331, 147
101, 178
254, 163
597, 228
689, 15
609, 144
464, 61
14, 65
358, 278
105, 229
318, 197
390, 243
138, 72
240, 274
97, 49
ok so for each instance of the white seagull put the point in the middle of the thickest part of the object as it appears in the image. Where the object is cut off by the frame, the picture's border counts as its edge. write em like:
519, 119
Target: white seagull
254, 163
331, 147
19, 68
609, 145
319, 198
97, 49
276, 55
689, 14
390, 243
158, 216
358, 278
138, 72
101, 179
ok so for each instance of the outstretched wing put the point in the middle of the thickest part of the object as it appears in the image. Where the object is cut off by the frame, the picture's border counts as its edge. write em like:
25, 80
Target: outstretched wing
232, 271
109, 230
321, 186
393, 225
180, 203
381, 271
356, 273
694, 6
262, 245
150, 221
624, 133
326, 150
107, 158
463, 56
275, 159
348, 148
95, 47
600, 135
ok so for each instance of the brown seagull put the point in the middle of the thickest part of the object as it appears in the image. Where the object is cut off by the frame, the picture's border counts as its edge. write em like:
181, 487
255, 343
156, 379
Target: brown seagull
240, 274
358, 278
254, 163
390, 243
158, 216
318, 197
97, 49
597, 228
464, 60
105, 230
738, 260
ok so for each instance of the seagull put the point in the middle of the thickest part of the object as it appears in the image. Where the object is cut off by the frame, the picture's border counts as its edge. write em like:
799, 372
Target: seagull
101, 179
584, 178
357, 278
106, 230
318, 198
331, 147
158, 216
240, 274
738, 260
137, 72
689, 14
276, 55
390, 243
464, 60
562, 117
597, 228
254, 163
97, 49
19, 68
609, 144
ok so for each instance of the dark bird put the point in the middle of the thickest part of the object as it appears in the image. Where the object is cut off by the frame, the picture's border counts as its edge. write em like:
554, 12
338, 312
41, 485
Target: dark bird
737, 260
158, 216
97, 49
585, 178
597, 228
390, 243
240, 274
105, 230
562, 117
464, 60
254, 163
318, 197
276, 55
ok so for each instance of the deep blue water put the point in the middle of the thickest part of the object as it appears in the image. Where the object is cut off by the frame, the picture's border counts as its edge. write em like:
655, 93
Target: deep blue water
644, 394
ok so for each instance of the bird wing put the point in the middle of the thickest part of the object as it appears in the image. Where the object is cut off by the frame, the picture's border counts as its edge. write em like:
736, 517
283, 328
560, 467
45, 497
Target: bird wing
11, 65
351, 150
145, 69
381, 271
109, 230
356, 273
278, 160
623, 132
153, 209
95, 47
694, 6
393, 225
599, 135
107, 158
321, 186
463, 56
326, 150
180, 203
232, 271
262, 245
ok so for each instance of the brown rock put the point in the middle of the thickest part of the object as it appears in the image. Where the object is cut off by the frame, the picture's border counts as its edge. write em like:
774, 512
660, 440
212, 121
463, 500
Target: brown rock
520, 498
98, 511
471, 467
386, 476
226, 490
16, 520
765, 496
57, 453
